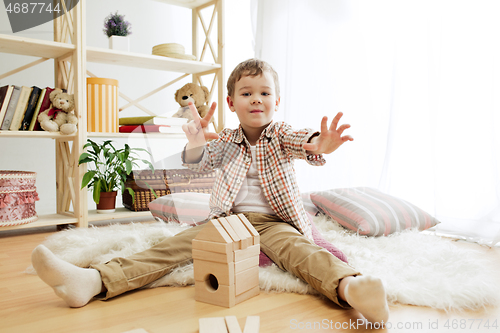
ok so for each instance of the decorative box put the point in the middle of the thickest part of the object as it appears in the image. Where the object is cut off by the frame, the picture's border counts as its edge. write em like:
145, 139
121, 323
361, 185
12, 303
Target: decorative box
164, 182
17, 198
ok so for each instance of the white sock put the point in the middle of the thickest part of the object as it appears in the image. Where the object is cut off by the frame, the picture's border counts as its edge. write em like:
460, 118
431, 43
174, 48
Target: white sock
367, 295
75, 285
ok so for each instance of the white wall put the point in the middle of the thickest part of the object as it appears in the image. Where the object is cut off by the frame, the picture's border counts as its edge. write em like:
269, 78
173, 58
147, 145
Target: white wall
152, 23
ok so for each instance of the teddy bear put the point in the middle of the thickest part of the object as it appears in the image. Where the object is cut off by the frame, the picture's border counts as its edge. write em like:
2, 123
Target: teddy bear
191, 92
59, 117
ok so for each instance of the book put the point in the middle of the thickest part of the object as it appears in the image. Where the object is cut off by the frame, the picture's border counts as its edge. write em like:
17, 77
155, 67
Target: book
5, 93
152, 120
38, 106
30, 109
18, 117
46, 104
150, 129
11, 108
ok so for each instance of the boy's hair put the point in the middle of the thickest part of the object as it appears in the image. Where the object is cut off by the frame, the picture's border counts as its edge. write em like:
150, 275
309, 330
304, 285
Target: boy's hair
251, 67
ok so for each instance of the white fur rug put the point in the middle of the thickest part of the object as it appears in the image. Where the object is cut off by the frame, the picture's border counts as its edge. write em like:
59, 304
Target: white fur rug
417, 268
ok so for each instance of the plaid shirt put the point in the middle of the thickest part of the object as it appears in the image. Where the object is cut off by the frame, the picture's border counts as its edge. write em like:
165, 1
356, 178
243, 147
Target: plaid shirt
276, 149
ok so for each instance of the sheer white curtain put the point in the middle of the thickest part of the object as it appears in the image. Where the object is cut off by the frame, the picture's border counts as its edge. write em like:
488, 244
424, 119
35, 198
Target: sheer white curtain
419, 81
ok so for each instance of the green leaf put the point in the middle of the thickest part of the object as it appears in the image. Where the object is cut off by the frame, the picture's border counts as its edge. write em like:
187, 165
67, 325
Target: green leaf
84, 158
128, 166
95, 147
149, 164
152, 191
132, 193
142, 149
97, 191
87, 177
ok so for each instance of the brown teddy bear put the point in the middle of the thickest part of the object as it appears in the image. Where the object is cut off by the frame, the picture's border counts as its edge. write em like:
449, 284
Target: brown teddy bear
191, 92
59, 117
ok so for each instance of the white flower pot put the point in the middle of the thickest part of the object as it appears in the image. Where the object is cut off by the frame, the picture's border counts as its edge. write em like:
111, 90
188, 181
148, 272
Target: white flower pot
119, 43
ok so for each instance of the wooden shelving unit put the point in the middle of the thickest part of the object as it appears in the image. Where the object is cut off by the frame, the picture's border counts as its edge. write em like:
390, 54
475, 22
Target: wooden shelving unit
70, 54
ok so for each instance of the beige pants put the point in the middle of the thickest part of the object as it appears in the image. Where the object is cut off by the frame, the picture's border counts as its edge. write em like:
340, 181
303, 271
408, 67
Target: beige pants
280, 241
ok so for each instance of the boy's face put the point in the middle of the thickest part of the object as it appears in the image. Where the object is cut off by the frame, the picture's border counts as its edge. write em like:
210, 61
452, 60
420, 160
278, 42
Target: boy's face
254, 101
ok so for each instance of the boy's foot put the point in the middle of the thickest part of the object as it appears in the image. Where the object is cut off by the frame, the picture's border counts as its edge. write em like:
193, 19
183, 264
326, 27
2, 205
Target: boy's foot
75, 285
367, 295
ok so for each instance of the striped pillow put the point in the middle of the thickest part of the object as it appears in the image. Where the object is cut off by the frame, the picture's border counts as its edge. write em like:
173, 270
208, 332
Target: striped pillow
371, 212
186, 207
309, 207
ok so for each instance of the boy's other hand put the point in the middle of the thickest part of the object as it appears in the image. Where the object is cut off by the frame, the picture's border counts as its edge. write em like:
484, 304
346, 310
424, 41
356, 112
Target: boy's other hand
196, 130
329, 139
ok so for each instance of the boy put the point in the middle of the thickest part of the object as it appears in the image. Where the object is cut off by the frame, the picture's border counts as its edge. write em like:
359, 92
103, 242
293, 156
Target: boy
255, 178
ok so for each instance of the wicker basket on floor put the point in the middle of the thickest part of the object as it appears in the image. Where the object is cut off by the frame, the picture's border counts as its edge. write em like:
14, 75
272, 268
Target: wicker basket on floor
164, 182
17, 198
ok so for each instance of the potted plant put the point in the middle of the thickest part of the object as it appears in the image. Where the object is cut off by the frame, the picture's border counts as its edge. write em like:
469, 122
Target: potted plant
117, 30
110, 169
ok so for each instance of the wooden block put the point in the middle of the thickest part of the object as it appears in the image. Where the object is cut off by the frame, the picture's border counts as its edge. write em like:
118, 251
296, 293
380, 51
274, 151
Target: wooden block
241, 230
232, 324
224, 248
246, 280
250, 228
212, 256
213, 325
231, 232
223, 296
223, 272
246, 264
250, 251
247, 295
214, 232
252, 325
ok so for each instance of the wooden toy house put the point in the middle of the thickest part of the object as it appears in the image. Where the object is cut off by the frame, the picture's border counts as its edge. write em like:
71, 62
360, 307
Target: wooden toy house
226, 261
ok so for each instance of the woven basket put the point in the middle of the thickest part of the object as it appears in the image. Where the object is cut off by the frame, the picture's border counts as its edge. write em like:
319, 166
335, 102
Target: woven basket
17, 198
164, 182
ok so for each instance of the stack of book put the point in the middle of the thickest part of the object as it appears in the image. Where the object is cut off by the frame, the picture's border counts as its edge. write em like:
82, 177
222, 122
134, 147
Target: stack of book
20, 107
151, 124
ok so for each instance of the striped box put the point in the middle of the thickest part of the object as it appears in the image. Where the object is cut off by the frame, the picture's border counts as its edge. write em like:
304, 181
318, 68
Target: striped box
102, 105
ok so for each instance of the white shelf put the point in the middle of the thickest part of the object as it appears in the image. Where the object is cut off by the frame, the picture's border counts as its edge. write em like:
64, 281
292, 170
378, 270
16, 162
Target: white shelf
36, 134
44, 221
34, 47
120, 213
58, 136
137, 135
93, 216
139, 60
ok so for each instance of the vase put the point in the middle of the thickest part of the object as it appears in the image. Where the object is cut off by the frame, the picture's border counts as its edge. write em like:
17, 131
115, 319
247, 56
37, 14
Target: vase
119, 43
107, 203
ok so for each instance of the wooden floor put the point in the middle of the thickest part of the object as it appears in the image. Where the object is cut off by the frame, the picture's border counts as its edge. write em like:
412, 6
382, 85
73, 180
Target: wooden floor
28, 305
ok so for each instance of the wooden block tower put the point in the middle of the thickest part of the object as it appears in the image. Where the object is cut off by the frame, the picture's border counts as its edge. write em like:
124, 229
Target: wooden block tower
226, 261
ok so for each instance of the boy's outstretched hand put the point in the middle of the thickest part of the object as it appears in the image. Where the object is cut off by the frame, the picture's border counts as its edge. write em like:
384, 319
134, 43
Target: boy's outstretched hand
330, 138
196, 130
